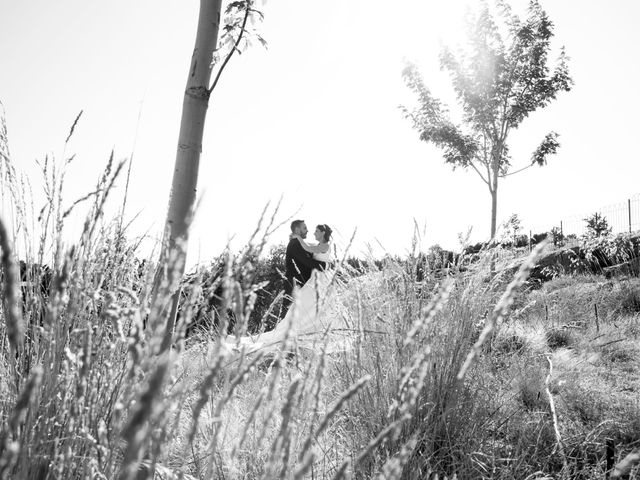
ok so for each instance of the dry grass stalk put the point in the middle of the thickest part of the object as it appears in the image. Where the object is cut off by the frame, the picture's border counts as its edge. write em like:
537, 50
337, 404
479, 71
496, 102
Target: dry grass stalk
429, 312
394, 466
315, 395
306, 454
348, 394
11, 294
502, 307
625, 465
304, 467
216, 418
554, 417
280, 448
137, 427
10, 439
268, 394
412, 385
389, 431
343, 471
73, 127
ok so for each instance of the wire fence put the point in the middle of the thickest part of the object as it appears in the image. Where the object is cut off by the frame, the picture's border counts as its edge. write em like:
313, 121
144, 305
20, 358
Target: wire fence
621, 217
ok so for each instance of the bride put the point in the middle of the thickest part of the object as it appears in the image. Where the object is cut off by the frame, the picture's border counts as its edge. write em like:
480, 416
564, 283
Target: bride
321, 251
311, 315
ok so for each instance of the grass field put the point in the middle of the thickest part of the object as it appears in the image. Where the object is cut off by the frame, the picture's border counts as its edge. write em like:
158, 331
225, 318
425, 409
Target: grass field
472, 374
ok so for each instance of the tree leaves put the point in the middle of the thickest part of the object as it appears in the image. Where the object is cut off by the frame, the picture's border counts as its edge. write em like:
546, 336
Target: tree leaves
235, 26
497, 85
549, 146
432, 122
502, 77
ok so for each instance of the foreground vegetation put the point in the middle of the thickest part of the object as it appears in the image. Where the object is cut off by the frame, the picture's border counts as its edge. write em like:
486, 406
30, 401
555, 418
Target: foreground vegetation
87, 396
470, 373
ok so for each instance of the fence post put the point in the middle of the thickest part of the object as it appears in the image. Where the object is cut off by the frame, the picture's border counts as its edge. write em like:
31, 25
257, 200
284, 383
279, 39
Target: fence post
529, 240
610, 452
629, 210
561, 231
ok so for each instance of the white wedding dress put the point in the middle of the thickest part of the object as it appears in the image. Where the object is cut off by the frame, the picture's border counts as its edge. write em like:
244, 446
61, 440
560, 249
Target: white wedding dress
312, 320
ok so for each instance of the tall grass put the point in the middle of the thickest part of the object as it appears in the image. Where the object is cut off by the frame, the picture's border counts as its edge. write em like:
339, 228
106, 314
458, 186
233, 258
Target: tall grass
86, 391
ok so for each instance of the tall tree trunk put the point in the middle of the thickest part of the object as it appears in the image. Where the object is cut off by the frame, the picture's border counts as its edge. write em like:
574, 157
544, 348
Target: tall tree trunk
494, 203
185, 175
494, 211
494, 215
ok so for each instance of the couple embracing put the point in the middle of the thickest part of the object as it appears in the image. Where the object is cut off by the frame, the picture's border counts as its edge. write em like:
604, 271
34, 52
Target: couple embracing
303, 258
308, 281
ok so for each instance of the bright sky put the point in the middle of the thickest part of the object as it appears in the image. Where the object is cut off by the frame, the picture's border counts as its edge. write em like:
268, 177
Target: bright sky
314, 117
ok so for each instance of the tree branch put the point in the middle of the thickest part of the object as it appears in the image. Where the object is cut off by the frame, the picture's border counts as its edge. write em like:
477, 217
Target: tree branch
517, 171
480, 173
235, 47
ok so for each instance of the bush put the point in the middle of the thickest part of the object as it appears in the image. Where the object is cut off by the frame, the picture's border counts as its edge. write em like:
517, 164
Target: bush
262, 275
604, 253
597, 226
586, 405
536, 238
559, 338
531, 387
475, 248
509, 344
630, 298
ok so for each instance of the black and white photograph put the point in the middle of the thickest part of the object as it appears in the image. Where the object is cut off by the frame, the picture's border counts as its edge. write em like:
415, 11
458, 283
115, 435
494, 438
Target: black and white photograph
339, 240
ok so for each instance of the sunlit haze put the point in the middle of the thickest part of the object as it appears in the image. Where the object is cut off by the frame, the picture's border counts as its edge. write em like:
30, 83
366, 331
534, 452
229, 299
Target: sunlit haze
313, 118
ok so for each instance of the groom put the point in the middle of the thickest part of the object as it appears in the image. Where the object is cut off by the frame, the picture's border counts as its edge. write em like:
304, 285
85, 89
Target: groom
298, 262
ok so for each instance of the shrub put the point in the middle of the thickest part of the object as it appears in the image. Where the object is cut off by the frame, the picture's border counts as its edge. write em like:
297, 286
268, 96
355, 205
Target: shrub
531, 388
585, 404
630, 301
557, 236
597, 226
536, 238
508, 344
559, 338
475, 248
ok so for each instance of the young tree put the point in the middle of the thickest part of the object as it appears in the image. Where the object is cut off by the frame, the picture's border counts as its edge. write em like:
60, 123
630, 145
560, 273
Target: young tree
498, 81
206, 56
557, 236
512, 227
597, 226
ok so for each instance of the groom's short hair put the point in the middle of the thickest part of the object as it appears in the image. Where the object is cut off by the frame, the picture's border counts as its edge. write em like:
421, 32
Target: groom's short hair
295, 224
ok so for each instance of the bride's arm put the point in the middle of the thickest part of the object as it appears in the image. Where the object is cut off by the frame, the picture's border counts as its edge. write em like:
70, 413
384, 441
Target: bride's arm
322, 248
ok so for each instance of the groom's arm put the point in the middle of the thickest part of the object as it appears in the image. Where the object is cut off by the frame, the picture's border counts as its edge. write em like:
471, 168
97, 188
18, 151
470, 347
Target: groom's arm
302, 258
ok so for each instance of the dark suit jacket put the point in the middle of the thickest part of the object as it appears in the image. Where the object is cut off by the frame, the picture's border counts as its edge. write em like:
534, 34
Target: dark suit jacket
298, 265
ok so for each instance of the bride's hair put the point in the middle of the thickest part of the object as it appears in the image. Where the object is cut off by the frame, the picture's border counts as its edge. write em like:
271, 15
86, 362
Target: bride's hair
326, 229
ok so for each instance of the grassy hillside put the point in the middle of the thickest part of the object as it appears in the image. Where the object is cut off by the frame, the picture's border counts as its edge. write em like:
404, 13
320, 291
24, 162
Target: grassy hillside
473, 373
548, 390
